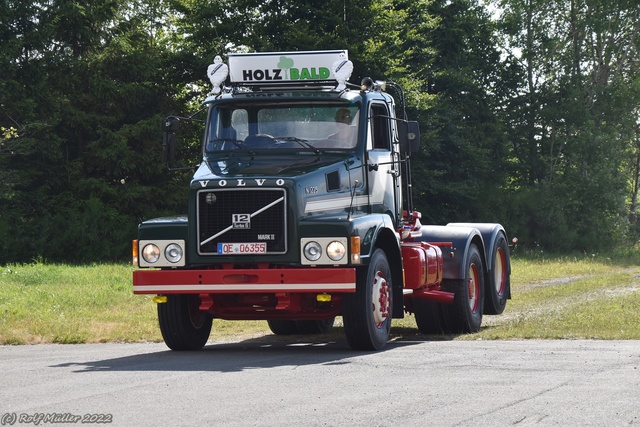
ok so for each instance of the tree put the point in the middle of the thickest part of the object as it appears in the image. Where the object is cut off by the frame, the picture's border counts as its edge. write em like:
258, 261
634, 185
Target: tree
85, 93
529, 118
568, 118
463, 168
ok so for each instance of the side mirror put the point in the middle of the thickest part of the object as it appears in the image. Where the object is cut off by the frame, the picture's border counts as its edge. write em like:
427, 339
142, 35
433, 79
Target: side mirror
170, 126
409, 134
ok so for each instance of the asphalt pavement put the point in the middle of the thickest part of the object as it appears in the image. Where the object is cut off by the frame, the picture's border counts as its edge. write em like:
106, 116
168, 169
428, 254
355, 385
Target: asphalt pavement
271, 381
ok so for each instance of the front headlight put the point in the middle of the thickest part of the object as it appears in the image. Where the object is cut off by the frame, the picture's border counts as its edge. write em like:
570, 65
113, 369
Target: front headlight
173, 253
312, 251
161, 253
323, 251
151, 253
336, 250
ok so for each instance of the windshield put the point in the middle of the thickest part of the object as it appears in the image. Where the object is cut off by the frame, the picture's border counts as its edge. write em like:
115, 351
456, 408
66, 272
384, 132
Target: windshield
300, 126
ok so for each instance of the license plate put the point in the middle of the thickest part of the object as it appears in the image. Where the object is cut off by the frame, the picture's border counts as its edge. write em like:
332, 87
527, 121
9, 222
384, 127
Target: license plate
242, 248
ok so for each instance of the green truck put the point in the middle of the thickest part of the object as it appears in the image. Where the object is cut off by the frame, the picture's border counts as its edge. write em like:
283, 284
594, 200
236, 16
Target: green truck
301, 211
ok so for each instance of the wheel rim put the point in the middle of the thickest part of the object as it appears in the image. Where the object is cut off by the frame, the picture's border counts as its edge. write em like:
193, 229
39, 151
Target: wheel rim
500, 272
196, 316
381, 299
473, 288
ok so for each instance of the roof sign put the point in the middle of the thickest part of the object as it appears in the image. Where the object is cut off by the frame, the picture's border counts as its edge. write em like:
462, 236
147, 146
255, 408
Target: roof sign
288, 67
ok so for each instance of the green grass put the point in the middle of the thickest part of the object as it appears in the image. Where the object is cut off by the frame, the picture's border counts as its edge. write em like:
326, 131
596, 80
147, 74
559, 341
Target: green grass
72, 304
582, 297
571, 298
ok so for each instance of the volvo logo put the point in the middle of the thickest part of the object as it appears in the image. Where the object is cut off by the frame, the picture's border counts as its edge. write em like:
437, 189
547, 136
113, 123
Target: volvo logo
241, 182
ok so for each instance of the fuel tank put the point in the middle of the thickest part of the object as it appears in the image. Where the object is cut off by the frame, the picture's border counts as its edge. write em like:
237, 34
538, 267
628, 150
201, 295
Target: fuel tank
422, 264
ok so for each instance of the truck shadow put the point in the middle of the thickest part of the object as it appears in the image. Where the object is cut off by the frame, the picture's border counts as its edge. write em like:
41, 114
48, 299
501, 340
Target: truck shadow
408, 334
264, 352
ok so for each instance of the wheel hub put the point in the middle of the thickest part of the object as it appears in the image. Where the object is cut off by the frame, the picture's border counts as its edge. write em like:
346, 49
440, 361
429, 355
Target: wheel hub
500, 272
381, 299
473, 287
196, 316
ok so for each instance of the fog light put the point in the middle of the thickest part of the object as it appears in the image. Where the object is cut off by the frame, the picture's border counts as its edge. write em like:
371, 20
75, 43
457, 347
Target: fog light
312, 251
151, 253
323, 298
173, 253
336, 251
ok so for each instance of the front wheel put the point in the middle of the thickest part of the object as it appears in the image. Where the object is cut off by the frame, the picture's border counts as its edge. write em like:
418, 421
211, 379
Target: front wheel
182, 324
367, 312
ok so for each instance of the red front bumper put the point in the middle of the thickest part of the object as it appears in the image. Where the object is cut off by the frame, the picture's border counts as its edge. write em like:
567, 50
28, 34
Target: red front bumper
299, 280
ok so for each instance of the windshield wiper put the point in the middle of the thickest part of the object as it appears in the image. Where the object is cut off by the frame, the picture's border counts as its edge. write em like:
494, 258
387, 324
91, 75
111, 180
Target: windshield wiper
236, 142
302, 142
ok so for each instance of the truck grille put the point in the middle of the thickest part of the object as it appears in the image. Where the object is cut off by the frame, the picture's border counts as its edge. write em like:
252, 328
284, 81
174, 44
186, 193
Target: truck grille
242, 216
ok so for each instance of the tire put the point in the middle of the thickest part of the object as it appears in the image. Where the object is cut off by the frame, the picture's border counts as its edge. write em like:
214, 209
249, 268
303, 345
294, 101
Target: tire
315, 327
367, 312
429, 317
182, 324
283, 327
499, 283
303, 327
465, 314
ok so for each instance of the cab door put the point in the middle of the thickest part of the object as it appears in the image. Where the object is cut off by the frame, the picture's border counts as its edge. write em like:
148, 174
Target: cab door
383, 169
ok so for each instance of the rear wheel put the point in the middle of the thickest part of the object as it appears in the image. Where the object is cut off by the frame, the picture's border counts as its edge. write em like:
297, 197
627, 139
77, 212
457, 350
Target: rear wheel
315, 326
429, 316
498, 287
367, 312
182, 324
283, 327
465, 314
304, 327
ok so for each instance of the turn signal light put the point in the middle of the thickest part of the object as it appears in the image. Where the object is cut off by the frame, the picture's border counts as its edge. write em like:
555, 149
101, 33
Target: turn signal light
355, 249
134, 253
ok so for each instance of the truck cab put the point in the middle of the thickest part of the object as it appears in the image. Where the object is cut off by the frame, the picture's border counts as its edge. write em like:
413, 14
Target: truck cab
301, 211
